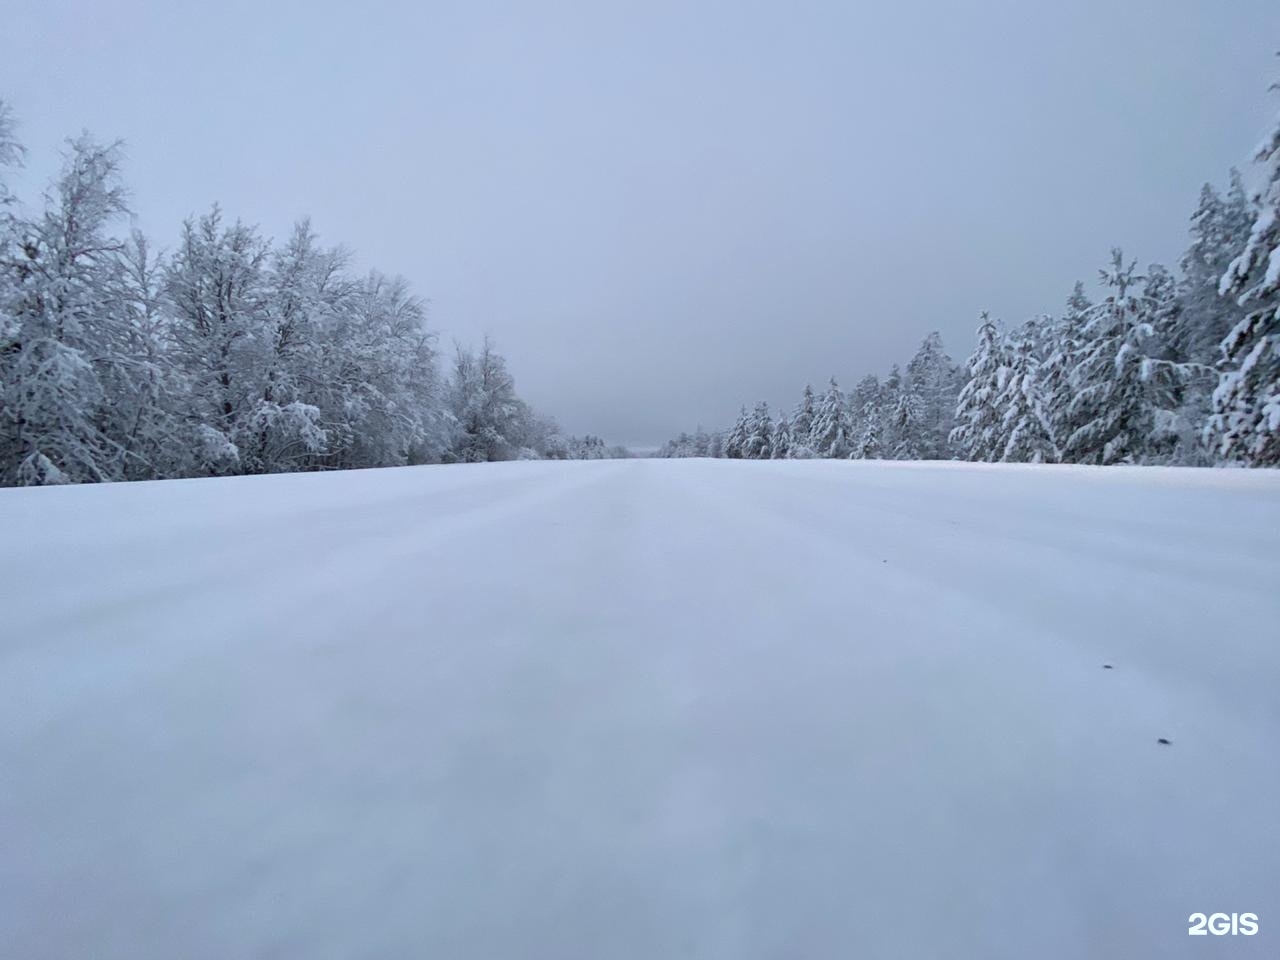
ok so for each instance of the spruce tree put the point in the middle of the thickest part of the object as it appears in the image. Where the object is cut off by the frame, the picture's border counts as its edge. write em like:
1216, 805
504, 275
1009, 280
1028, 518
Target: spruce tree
889, 395
910, 430
1026, 434
736, 440
869, 443
931, 374
781, 448
979, 428
1118, 380
1246, 404
863, 396
1219, 231
1063, 340
802, 425
830, 429
759, 442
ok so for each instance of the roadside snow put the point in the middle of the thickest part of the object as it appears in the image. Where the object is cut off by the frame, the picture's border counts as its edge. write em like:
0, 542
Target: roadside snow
646, 709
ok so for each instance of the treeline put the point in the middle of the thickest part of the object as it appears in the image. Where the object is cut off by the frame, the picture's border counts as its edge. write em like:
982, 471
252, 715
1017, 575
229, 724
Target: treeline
1156, 368
227, 355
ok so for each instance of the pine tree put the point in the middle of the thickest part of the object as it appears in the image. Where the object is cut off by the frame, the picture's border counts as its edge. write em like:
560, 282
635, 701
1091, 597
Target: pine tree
869, 444
1219, 231
1063, 340
931, 375
1025, 432
781, 448
863, 396
1119, 381
830, 434
979, 429
1246, 404
1176, 387
889, 396
802, 426
759, 442
910, 431
736, 441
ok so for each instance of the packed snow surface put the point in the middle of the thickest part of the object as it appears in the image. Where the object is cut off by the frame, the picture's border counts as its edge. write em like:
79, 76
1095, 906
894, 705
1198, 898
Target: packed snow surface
642, 709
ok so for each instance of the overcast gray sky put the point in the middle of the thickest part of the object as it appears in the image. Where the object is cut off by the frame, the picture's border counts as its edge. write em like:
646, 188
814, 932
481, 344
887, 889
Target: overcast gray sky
661, 210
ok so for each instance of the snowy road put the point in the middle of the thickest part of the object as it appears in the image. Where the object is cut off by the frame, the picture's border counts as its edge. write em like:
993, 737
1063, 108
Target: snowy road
641, 709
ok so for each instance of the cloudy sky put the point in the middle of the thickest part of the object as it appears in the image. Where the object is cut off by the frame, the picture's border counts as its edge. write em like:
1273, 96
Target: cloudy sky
661, 210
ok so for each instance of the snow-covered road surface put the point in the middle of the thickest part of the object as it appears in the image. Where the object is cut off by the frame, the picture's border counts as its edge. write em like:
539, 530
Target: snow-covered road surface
641, 709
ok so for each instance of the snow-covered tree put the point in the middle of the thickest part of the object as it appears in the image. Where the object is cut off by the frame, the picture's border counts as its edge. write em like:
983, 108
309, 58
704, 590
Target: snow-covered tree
1063, 340
802, 422
979, 429
229, 356
701, 442
144, 418
383, 400
1025, 431
910, 431
864, 396
304, 294
62, 326
1219, 231
13, 274
890, 392
869, 445
591, 447
1246, 404
781, 447
12, 154
1178, 388
933, 380
759, 442
677, 446
217, 296
1119, 380
736, 440
485, 406
698, 444
830, 433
